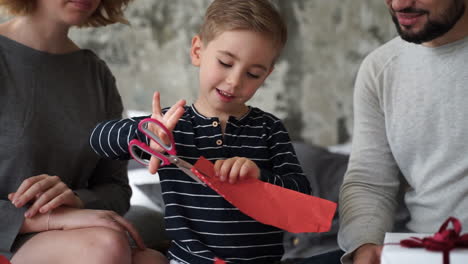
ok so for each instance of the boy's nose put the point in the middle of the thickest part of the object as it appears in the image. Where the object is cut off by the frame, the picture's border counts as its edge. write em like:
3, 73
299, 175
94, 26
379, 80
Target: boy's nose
234, 79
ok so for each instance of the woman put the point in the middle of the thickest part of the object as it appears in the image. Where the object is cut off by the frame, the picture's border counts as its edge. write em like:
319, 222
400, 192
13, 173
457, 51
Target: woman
52, 93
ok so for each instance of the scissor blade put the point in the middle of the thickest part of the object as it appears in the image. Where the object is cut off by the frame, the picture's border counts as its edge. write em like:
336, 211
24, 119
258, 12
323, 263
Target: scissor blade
185, 167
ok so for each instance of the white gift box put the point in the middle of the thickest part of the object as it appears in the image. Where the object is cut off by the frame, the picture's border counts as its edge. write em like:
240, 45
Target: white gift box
393, 253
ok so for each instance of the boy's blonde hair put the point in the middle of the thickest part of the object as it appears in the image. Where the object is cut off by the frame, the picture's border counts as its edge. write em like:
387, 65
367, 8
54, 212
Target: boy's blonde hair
108, 11
255, 15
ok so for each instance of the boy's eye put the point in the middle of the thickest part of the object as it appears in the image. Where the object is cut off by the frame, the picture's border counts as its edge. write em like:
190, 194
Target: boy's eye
224, 64
254, 76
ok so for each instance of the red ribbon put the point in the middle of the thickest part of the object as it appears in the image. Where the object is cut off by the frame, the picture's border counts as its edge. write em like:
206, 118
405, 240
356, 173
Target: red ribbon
444, 240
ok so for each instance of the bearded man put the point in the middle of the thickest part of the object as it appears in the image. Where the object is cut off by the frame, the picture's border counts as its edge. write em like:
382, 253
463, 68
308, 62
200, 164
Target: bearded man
410, 129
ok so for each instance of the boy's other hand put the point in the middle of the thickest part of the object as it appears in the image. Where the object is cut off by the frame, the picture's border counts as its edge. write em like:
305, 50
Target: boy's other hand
169, 119
235, 169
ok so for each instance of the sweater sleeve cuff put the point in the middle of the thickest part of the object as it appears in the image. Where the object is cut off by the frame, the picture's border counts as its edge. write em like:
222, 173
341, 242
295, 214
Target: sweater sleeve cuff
10, 224
347, 257
89, 199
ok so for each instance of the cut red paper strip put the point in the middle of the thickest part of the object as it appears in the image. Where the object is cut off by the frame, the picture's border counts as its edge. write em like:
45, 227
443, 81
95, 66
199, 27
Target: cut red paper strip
4, 260
219, 261
271, 204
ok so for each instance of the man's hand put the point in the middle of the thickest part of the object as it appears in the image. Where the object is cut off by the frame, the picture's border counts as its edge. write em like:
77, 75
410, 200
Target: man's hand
169, 120
368, 254
45, 192
235, 169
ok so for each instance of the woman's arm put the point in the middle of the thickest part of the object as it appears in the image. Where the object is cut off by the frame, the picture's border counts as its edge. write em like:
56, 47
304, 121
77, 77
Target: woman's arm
11, 221
108, 187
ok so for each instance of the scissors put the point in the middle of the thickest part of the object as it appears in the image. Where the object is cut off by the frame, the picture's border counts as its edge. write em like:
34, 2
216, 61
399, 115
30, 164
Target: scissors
171, 158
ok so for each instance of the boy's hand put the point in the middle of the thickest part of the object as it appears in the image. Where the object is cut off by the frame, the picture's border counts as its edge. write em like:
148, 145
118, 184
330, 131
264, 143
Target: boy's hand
235, 169
169, 119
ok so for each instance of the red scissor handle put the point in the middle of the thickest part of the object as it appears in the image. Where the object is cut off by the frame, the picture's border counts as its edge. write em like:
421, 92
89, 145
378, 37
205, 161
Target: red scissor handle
135, 144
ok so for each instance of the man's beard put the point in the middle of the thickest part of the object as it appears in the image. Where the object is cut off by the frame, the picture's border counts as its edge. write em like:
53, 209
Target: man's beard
433, 28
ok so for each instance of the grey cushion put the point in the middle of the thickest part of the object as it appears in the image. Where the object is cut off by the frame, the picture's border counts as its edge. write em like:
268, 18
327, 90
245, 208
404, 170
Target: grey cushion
325, 171
148, 221
153, 192
150, 225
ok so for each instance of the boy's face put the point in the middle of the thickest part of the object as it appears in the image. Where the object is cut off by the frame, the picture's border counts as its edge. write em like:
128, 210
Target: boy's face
232, 67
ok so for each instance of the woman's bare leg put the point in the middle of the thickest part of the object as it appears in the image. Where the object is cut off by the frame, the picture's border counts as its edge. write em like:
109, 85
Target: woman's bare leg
95, 245
148, 256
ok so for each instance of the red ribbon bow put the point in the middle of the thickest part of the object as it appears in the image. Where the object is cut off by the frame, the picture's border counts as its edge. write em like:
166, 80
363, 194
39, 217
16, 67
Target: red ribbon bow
444, 240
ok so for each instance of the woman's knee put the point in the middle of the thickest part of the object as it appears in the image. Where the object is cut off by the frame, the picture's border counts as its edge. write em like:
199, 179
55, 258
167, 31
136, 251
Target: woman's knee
108, 246
95, 245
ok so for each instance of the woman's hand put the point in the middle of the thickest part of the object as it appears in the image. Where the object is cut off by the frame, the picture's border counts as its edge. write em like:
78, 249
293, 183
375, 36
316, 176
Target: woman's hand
169, 120
235, 169
64, 218
46, 193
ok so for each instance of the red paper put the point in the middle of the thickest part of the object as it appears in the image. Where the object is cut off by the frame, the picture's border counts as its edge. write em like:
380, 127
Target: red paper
4, 260
271, 204
219, 261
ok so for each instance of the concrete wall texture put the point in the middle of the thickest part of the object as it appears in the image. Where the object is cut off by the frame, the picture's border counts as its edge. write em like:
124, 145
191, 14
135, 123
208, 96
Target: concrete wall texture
312, 85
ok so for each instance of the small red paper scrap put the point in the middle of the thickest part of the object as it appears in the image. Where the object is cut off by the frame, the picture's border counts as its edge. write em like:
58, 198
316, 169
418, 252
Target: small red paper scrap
219, 261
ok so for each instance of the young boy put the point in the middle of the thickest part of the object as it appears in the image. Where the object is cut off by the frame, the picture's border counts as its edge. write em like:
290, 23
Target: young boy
236, 49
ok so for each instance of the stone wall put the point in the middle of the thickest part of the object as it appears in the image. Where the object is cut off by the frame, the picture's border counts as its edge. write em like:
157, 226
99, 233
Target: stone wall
311, 88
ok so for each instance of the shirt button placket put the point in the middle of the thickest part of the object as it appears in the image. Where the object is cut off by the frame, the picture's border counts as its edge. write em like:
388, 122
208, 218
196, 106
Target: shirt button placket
219, 142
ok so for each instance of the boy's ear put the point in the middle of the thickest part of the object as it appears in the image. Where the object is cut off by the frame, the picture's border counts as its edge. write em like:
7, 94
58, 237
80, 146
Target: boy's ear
195, 51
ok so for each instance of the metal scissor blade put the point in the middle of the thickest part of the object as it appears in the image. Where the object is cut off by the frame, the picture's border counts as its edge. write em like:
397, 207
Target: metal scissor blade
185, 167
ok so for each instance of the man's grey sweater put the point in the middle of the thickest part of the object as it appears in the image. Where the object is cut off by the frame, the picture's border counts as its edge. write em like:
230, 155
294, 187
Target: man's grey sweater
411, 108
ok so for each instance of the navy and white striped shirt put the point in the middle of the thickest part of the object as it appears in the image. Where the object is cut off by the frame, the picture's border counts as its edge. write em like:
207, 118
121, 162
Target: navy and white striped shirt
201, 223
